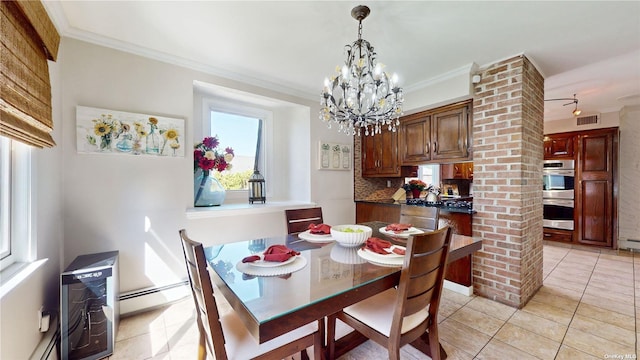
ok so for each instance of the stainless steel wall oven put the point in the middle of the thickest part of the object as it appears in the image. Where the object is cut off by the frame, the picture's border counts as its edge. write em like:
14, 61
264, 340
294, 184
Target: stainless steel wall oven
558, 194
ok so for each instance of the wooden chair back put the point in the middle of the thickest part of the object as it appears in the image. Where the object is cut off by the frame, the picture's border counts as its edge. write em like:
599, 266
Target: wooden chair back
208, 317
422, 217
421, 281
298, 220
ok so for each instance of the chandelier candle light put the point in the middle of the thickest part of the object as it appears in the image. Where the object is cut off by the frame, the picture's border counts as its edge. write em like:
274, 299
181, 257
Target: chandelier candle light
361, 95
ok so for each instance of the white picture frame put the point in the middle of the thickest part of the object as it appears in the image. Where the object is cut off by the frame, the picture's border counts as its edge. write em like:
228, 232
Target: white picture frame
103, 131
334, 156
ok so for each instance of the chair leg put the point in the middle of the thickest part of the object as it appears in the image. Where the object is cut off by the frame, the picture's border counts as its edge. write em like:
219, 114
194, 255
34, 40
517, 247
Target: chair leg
434, 342
202, 347
331, 334
394, 352
304, 355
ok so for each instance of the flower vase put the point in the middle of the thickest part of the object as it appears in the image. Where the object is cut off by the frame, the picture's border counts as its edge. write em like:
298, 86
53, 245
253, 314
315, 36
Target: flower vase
207, 190
153, 142
125, 144
416, 193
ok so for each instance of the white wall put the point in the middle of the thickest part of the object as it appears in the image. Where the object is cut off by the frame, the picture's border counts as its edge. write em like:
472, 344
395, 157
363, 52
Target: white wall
108, 199
629, 164
610, 119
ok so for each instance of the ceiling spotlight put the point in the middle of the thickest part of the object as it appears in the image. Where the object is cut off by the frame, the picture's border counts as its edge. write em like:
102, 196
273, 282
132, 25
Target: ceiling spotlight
573, 100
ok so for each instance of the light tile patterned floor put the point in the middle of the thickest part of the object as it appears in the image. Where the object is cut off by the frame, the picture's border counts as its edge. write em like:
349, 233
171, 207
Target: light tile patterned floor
586, 309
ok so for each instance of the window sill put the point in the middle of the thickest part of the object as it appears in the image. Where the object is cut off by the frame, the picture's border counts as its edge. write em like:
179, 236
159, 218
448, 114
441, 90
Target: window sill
16, 273
243, 209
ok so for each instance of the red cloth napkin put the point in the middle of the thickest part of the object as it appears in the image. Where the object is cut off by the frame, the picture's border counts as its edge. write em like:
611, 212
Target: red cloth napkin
398, 228
378, 246
275, 253
320, 229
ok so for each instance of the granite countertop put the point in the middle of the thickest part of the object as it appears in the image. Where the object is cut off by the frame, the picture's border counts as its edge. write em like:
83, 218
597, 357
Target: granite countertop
391, 202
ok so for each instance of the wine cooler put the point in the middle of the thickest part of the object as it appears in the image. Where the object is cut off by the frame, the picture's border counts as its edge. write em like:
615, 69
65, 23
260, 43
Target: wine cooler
89, 306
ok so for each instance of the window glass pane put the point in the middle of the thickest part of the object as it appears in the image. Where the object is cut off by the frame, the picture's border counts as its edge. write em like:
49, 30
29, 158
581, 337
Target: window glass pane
5, 197
241, 134
430, 174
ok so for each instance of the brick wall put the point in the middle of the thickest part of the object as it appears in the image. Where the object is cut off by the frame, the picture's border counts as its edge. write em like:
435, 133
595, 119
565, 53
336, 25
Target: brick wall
507, 154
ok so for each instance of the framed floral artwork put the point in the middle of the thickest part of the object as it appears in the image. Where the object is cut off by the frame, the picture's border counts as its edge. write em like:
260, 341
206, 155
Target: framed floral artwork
116, 132
334, 156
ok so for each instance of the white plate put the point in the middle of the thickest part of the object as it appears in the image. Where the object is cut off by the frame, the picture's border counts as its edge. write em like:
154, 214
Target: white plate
405, 234
317, 238
392, 260
270, 264
299, 263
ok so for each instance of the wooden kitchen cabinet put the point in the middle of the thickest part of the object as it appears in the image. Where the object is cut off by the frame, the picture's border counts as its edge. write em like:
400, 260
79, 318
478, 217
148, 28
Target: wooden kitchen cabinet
450, 134
380, 155
457, 171
559, 146
436, 135
596, 187
559, 235
415, 139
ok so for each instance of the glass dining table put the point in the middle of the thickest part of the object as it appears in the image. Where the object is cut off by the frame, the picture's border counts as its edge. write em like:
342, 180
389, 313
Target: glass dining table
327, 278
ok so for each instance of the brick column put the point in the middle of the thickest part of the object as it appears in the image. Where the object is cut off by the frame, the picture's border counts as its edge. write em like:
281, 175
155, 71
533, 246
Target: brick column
507, 181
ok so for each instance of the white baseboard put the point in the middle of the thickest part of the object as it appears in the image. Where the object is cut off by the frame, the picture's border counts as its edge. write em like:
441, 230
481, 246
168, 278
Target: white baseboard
147, 299
460, 289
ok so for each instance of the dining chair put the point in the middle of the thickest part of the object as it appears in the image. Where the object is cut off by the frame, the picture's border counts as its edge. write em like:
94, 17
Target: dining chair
225, 336
404, 313
421, 217
298, 220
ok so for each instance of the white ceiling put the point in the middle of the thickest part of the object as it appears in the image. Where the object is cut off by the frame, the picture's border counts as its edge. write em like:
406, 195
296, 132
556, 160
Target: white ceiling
589, 48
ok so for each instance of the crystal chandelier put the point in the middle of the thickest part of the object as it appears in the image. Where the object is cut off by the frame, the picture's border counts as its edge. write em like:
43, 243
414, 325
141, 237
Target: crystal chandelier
361, 95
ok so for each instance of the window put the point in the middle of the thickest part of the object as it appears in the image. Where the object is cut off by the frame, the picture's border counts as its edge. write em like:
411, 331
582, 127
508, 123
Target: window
5, 198
15, 186
236, 125
430, 174
240, 133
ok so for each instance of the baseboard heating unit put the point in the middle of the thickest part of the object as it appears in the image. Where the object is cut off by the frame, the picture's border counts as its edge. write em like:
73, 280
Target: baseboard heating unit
149, 298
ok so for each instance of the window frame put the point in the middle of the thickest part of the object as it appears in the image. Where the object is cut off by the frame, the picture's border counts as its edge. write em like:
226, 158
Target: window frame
241, 109
19, 197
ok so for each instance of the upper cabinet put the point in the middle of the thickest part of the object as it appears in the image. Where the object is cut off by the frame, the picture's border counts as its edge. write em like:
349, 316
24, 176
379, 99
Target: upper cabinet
380, 155
415, 139
559, 146
437, 135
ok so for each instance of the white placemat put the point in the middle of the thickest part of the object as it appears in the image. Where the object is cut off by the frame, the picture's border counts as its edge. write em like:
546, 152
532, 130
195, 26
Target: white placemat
249, 269
315, 238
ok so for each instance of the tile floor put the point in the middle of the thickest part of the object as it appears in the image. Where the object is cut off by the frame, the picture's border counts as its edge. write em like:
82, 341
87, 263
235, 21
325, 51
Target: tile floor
586, 309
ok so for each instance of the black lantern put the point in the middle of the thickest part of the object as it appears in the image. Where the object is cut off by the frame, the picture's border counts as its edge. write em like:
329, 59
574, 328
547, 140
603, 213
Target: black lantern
256, 181
256, 187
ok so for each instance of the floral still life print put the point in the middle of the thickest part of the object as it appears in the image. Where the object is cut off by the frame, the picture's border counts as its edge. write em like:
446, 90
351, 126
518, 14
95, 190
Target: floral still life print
117, 132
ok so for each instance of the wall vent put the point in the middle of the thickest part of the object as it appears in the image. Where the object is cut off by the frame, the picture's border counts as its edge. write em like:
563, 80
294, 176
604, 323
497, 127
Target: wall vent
587, 120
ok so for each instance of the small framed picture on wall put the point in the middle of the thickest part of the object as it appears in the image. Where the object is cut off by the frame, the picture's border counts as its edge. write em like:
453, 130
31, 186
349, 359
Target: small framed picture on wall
334, 156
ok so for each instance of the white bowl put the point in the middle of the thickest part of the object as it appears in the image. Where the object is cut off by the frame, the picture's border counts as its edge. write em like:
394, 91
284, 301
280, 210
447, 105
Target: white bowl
357, 237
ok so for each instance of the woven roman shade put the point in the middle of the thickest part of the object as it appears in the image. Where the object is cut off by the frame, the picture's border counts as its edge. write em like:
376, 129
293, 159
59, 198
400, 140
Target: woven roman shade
28, 40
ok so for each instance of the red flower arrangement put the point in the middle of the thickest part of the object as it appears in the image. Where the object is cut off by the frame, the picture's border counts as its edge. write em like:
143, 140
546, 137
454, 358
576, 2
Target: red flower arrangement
206, 156
415, 184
